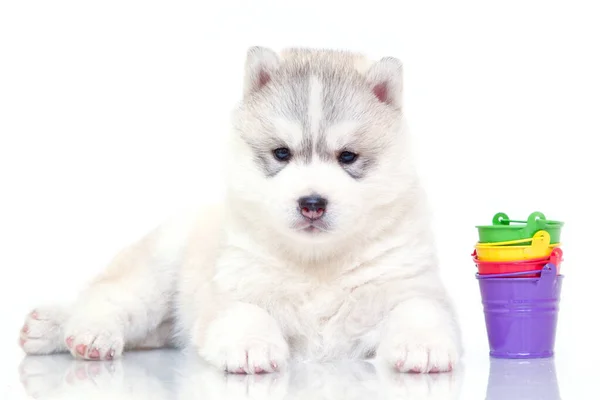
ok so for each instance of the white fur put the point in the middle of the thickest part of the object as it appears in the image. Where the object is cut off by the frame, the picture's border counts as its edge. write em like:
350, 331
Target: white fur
244, 338
315, 105
244, 288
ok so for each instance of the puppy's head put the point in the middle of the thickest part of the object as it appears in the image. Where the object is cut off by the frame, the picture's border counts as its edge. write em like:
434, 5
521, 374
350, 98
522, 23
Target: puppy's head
318, 145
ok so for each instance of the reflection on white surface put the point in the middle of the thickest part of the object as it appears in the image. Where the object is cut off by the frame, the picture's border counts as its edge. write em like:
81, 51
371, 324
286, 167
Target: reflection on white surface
168, 374
522, 379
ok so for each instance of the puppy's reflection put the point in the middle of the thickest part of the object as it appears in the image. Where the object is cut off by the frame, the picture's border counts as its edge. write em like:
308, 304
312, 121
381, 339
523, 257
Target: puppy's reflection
169, 374
143, 375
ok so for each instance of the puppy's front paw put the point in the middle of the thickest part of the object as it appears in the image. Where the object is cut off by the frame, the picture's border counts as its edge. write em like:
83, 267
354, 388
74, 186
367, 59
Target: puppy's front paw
93, 339
244, 340
420, 351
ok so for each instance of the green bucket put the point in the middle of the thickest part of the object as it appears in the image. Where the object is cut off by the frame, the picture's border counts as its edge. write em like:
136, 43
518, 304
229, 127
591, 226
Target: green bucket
505, 229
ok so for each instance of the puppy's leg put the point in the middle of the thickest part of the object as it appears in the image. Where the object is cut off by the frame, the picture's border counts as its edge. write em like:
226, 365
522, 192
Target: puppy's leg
421, 334
243, 339
122, 308
232, 335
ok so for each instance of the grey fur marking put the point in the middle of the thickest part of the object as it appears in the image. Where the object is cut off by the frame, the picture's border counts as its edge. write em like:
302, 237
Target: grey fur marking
263, 155
345, 96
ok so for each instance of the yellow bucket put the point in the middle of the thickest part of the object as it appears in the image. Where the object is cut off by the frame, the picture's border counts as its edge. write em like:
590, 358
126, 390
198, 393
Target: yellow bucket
540, 247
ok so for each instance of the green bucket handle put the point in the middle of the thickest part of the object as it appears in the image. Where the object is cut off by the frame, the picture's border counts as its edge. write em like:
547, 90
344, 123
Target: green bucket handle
535, 222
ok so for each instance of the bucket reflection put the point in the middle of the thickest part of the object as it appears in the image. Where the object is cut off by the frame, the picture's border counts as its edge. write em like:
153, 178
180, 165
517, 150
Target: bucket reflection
522, 379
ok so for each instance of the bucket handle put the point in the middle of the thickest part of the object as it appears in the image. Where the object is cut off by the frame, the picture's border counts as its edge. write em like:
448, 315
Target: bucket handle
556, 258
535, 221
539, 237
548, 270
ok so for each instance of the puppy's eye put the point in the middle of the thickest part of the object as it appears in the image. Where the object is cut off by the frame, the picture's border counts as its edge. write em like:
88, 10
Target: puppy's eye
282, 154
347, 157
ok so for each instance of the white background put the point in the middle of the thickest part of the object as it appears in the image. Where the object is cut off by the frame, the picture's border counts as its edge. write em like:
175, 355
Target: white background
112, 116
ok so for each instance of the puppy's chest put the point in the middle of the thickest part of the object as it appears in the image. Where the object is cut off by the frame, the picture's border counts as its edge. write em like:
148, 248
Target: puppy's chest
301, 294
322, 309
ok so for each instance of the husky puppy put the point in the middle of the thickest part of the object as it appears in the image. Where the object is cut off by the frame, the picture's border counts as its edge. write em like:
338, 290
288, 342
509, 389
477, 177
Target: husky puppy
322, 249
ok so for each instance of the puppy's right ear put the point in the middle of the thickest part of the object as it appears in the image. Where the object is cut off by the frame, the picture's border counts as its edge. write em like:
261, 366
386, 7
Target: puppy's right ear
261, 63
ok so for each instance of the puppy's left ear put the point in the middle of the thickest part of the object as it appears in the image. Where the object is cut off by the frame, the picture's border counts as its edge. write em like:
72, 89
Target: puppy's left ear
385, 79
261, 63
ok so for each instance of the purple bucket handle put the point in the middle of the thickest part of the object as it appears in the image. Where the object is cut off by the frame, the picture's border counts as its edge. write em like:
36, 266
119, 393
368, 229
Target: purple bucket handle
547, 274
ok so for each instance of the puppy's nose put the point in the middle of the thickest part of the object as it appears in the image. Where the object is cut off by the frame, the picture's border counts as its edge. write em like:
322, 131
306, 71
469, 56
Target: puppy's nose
312, 207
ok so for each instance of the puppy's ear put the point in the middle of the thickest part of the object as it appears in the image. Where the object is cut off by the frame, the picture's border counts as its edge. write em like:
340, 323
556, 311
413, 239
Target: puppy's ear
385, 79
261, 63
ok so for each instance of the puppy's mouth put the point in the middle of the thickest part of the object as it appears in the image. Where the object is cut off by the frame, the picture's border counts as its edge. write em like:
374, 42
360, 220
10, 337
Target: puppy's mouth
312, 227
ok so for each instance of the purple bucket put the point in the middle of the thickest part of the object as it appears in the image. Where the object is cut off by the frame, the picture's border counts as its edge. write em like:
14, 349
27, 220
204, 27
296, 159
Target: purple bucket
521, 313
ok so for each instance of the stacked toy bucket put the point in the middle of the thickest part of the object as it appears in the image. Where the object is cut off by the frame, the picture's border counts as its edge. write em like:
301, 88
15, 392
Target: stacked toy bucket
519, 278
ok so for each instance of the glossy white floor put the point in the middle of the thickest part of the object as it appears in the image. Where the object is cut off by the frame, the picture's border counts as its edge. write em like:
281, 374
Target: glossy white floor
170, 374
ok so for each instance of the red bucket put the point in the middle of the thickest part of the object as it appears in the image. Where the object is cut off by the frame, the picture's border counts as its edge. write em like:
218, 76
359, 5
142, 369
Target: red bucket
504, 267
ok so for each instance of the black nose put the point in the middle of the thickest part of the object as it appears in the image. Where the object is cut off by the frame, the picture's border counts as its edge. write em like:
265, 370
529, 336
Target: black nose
312, 207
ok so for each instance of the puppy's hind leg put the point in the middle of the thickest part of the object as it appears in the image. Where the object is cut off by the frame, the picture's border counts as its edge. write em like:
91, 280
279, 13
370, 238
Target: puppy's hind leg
42, 332
122, 308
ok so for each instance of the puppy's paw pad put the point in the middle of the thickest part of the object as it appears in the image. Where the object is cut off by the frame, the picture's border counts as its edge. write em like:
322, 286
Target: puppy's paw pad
427, 353
94, 343
255, 358
248, 355
42, 331
244, 338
